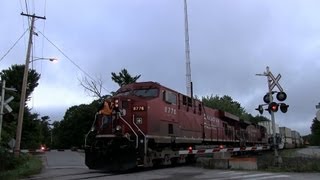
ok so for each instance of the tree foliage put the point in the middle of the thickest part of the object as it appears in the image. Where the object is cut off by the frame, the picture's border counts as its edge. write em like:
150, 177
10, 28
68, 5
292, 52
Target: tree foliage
225, 103
75, 125
14, 77
124, 77
315, 132
31, 131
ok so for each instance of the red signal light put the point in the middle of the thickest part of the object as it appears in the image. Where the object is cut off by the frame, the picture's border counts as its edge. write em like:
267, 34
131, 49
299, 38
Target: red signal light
190, 150
273, 107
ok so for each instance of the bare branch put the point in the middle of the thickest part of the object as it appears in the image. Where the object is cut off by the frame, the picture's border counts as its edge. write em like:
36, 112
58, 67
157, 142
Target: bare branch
93, 87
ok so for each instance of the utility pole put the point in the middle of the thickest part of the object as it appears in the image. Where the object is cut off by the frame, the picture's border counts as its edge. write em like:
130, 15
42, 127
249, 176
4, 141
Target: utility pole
24, 85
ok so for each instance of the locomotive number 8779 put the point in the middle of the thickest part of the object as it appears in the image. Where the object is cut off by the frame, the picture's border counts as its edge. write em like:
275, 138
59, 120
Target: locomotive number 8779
152, 125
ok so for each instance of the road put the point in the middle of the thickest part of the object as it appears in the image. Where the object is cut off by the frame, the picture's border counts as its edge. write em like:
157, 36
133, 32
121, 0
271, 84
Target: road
69, 165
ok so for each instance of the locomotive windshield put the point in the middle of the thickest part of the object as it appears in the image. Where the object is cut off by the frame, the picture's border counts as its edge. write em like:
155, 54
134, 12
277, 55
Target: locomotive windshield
145, 92
140, 92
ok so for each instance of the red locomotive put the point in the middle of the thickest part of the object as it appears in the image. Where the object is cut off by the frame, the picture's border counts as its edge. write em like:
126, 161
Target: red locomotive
151, 124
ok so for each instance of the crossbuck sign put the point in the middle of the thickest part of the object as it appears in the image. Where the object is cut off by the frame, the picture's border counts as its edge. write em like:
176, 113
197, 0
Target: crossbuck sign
5, 104
275, 81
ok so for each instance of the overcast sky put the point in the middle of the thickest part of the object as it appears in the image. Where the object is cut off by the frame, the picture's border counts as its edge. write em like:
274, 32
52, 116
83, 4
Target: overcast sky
231, 41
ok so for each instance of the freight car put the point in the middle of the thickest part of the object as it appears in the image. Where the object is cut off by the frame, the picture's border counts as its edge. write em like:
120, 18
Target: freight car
151, 124
286, 137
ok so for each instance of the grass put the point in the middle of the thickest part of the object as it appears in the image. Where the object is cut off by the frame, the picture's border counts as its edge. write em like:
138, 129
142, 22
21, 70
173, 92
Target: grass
29, 165
291, 162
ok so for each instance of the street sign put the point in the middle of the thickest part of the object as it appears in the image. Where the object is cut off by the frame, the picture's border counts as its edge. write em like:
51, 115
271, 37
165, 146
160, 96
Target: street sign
318, 115
275, 81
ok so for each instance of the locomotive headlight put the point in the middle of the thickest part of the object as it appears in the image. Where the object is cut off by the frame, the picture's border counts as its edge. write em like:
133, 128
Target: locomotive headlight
118, 128
139, 120
116, 103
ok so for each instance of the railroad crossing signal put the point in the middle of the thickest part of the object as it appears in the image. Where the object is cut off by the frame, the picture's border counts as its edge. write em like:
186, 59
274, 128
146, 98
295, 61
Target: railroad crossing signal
6, 105
268, 97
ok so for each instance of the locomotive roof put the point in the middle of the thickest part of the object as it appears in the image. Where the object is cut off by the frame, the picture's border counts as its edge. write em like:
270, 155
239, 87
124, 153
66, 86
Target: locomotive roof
148, 84
142, 85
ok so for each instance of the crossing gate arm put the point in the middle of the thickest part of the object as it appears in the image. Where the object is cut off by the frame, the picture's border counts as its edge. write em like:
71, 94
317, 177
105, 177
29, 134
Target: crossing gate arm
215, 150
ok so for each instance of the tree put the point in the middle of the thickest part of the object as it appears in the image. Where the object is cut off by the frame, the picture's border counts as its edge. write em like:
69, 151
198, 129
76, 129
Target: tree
225, 103
315, 132
14, 77
75, 125
124, 77
93, 87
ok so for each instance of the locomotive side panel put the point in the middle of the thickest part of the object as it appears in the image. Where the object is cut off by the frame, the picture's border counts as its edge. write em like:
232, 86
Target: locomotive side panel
214, 131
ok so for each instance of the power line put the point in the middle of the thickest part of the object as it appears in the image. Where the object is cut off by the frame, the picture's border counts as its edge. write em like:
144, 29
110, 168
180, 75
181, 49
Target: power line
23, 22
44, 26
13, 45
70, 59
25, 2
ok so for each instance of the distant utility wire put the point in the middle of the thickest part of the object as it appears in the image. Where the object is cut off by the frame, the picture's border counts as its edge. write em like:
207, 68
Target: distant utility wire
25, 1
70, 59
13, 45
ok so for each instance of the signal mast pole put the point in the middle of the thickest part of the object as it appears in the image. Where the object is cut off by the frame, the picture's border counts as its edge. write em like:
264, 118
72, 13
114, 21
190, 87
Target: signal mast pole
272, 116
187, 49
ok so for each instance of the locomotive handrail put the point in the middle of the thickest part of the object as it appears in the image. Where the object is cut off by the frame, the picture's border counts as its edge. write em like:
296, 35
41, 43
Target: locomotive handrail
145, 139
85, 139
130, 128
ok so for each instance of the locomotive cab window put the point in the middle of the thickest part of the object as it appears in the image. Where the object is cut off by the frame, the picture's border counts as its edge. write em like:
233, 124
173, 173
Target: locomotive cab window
170, 97
187, 100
